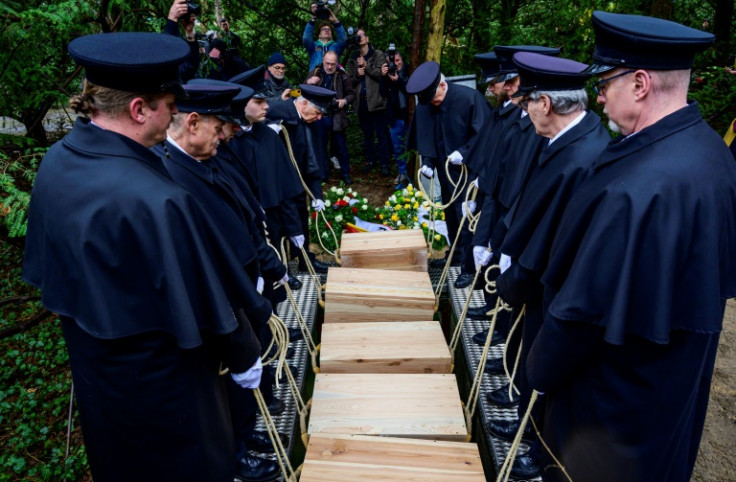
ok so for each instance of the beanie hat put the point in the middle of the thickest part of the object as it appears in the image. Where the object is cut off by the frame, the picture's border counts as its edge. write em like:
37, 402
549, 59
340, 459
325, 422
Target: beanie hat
276, 58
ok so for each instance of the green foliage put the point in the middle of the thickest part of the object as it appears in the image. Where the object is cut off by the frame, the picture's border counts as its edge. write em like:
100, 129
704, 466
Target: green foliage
16, 178
710, 84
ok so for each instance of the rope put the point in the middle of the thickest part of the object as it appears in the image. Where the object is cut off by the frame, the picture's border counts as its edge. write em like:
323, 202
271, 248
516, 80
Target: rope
311, 347
282, 456
472, 404
315, 277
336, 253
463, 315
518, 354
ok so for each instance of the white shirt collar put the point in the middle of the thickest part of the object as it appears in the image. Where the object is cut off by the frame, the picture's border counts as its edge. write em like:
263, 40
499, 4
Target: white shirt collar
569, 126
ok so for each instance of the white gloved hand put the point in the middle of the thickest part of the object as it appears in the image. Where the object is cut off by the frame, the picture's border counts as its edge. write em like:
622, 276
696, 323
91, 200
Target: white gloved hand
505, 262
481, 256
318, 205
427, 171
297, 240
259, 285
285, 279
455, 158
474, 182
250, 378
468, 207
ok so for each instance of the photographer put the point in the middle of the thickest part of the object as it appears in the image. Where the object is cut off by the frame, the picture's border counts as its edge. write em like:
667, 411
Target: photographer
393, 88
180, 11
324, 43
222, 63
332, 126
365, 72
232, 39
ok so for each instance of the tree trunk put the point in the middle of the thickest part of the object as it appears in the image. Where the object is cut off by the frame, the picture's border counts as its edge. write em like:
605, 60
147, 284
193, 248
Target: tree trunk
722, 29
420, 15
435, 31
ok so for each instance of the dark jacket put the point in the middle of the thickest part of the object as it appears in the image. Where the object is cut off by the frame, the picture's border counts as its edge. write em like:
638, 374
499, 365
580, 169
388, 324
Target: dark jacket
341, 84
276, 88
397, 100
374, 59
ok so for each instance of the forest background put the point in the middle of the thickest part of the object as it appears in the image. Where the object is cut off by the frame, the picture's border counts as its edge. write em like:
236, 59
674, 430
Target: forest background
37, 76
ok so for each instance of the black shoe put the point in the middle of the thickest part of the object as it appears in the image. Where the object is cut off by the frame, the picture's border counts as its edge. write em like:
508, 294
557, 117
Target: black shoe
494, 366
525, 467
295, 334
257, 469
463, 281
507, 429
384, 170
437, 263
500, 397
480, 338
347, 179
479, 313
319, 266
276, 406
258, 441
294, 283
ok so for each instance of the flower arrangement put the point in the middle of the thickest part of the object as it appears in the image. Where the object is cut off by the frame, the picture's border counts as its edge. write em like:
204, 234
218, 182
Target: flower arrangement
407, 209
342, 205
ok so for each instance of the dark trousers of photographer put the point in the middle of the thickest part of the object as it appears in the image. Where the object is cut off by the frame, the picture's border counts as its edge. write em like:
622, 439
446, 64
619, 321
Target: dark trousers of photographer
374, 123
330, 142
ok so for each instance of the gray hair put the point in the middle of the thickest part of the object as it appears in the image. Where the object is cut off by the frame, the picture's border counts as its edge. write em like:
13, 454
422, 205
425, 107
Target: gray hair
564, 101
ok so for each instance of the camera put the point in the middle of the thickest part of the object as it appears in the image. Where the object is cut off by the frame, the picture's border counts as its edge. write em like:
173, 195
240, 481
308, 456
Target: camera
333, 107
193, 8
322, 12
391, 59
353, 38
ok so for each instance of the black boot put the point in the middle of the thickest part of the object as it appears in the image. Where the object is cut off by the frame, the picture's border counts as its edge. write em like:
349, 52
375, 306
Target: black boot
507, 429
500, 397
257, 469
480, 338
294, 283
463, 281
259, 441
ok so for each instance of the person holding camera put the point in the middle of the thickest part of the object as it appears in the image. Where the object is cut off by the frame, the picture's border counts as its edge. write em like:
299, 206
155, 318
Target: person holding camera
324, 43
365, 72
222, 62
393, 87
232, 39
275, 77
332, 125
180, 11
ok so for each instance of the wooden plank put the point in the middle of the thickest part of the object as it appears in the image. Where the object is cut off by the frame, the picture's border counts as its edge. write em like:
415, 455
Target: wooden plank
337, 458
358, 294
394, 250
422, 406
399, 347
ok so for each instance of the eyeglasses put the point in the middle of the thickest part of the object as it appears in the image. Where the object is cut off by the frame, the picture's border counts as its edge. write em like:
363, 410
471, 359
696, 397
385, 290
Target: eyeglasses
275, 67
524, 102
600, 86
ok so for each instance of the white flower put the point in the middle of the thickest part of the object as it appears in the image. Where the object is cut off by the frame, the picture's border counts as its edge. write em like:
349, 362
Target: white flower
327, 202
392, 199
398, 223
350, 189
364, 207
333, 189
405, 192
340, 191
416, 226
325, 235
346, 199
365, 200
338, 218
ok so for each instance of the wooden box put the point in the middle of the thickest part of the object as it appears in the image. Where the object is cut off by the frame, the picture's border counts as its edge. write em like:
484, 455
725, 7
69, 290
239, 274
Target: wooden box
355, 294
399, 347
398, 250
358, 458
423, 406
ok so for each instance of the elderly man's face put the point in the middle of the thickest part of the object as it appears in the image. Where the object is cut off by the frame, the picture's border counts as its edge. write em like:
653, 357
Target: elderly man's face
615, 92
439, 94
325, 33
329, 63
309, 112
207, 137
277, 71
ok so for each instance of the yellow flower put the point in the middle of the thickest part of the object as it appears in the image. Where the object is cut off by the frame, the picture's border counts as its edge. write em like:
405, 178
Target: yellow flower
388, 203
380, 216
419, 193
407, 206
437, 237
416, 218
402, 227
416, 205
443, 215
425, 225
395, 217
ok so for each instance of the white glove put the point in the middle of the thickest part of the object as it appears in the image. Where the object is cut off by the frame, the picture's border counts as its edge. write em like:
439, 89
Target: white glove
427, 171
285, 279
275, 127
250, 378
259, 285
318, 205
297, 240
468, 208
474, 182
455, 158
505, 262
481, 256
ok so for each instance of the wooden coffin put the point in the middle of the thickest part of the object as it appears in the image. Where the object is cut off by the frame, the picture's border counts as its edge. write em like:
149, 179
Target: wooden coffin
356, 294
397, 250
399, 347
422, 406
355, 458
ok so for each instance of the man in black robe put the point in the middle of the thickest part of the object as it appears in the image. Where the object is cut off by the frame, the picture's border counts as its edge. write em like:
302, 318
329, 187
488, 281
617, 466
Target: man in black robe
640, 269
295, 116
448, 124
553, 93
150, 294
